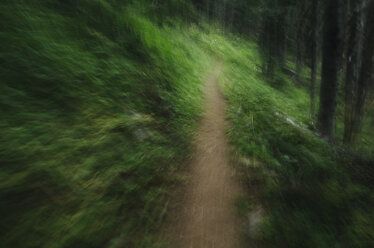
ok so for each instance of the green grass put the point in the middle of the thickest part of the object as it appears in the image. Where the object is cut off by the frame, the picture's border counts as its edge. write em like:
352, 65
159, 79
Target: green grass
307, 189
98, 107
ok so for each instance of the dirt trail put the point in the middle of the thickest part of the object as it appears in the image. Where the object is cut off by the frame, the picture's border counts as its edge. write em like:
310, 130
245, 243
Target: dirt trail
207, 217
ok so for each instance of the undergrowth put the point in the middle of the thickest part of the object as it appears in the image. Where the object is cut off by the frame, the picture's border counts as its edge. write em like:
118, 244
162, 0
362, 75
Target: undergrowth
99, 103
98, 106
306, 188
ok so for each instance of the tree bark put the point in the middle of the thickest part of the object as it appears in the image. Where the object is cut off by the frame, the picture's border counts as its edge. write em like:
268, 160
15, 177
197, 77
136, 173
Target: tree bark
352, 69
332, 44
366, 73
314, 60
300, 41
281, 40
208, 10
267, 42
299, 56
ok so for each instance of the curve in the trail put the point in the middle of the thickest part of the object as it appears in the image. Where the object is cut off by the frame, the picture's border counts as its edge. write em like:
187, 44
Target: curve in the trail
207, 216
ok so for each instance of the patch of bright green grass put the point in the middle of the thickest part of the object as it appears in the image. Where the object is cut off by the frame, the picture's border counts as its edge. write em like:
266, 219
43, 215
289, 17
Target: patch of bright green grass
98, 106
309, 197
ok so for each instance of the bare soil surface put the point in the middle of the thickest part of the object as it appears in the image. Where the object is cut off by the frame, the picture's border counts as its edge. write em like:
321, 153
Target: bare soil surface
206, 216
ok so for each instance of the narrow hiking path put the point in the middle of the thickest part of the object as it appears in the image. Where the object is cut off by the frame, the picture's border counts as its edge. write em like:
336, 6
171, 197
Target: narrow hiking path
206, 217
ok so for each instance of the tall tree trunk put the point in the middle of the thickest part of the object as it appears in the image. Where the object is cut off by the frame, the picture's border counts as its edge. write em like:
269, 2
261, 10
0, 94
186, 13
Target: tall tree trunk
314, 60
272, 47
232, 10
267, 44
366, 73
299, 53
300, 26
208, 10
352, 68
332, 44
223, 15
281, 31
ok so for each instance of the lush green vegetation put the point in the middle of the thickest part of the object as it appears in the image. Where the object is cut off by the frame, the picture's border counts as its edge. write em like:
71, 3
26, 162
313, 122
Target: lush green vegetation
98, 106
311, 195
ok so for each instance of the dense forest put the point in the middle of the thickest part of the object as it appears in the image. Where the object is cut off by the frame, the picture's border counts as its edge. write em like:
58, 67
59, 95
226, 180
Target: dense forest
119, 116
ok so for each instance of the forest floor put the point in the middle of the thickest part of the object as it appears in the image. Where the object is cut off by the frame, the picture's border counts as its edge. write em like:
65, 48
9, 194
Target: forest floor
206, 215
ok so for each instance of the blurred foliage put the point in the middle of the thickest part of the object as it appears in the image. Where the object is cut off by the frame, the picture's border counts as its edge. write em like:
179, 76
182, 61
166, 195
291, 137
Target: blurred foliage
305, 185
98, 106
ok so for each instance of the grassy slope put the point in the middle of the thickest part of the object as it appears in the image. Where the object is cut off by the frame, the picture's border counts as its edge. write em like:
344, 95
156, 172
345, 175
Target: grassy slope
308, 193
98, 105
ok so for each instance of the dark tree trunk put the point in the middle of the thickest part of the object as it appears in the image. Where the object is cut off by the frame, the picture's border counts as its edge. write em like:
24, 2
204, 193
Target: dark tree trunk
352, 68
232, 10
208, 10
332, 46
366, 73
299, 54
223, 14
268, 44
273, 38
314, 59
300, 41
281, 40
